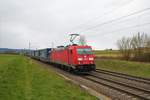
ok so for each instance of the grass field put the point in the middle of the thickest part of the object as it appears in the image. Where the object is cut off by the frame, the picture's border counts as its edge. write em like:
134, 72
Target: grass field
128, 67
107, 53
22, 79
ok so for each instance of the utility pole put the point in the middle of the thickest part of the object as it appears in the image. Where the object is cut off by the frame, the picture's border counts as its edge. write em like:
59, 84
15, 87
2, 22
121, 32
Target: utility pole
29, 48
52, 44
29, 45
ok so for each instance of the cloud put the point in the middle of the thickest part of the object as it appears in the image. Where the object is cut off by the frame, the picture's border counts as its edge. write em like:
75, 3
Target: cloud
47, 21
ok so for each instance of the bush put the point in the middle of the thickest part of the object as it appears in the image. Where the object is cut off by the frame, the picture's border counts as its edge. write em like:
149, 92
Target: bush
145, 57
136, 47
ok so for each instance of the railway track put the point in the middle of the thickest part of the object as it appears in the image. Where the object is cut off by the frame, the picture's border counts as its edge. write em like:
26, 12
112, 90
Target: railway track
126, 76
117, 86
133, 86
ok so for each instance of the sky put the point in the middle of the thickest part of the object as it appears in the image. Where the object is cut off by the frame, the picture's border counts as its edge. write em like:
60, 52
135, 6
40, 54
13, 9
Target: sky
48, 23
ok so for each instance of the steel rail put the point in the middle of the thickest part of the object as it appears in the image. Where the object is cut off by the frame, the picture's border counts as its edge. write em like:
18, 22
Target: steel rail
121, 83
119, 87
125, 76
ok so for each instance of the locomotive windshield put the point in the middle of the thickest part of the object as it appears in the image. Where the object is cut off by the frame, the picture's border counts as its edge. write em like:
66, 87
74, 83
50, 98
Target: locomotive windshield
84, 51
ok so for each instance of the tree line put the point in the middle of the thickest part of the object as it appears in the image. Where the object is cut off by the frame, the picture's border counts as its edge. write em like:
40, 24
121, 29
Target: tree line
136, 47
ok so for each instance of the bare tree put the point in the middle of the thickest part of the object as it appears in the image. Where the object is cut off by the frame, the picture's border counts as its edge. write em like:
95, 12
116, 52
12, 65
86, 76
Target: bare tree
138, 43
137, 47
124, 46
147, 44
82, 40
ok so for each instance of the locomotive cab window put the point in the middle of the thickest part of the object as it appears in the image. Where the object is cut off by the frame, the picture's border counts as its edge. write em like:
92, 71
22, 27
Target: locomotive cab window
84, 51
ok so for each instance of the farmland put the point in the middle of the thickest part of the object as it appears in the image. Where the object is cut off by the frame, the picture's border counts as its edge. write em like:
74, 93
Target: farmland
128, 67
107, 53
22, 79
110, 60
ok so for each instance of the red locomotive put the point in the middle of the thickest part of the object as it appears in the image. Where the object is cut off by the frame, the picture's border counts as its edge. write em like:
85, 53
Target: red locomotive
74, 57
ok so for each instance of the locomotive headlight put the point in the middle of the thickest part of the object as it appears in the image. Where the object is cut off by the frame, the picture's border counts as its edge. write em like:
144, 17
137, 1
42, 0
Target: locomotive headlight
91, 58
79, 59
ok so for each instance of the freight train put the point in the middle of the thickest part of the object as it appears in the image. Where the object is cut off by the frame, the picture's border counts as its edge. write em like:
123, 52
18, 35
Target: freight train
72, 57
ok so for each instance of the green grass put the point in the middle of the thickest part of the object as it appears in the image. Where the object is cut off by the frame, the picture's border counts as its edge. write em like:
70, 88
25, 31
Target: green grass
127, 67
22, 79
107, 53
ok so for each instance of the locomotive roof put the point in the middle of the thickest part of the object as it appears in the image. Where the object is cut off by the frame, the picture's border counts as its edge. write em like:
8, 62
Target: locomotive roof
79, 46
43, 49
71, 46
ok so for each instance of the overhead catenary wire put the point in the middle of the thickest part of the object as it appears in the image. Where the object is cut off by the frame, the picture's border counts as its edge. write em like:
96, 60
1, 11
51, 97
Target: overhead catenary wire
105, 13
119, 22
117, 19
130, 27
